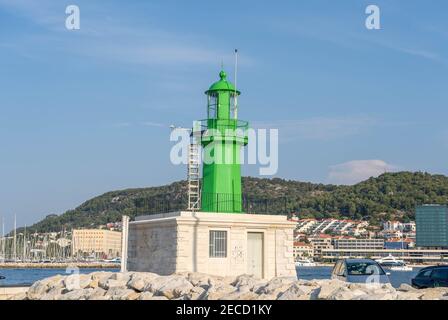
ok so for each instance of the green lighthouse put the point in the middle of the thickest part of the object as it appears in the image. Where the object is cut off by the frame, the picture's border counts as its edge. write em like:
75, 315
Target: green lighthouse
222, 136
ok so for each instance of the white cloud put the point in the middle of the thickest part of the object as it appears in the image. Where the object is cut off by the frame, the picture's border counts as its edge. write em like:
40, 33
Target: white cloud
355, 171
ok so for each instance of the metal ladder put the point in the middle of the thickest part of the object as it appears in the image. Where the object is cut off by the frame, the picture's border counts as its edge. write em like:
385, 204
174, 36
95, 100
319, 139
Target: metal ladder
194, 194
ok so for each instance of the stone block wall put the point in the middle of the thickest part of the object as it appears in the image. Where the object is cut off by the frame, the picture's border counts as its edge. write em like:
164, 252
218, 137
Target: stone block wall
180, 243
152, 247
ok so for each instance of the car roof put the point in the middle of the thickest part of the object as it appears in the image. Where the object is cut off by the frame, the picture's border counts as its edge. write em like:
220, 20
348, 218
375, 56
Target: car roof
434, 267
358, 260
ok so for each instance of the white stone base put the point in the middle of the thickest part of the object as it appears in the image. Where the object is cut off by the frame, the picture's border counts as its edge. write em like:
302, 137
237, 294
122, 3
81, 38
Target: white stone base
179, 242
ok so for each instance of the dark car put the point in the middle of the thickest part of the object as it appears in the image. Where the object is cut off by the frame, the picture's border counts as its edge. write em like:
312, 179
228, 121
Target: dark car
431, 277
359, 271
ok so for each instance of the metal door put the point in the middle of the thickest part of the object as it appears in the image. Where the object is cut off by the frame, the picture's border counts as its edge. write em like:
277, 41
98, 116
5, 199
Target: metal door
255, 254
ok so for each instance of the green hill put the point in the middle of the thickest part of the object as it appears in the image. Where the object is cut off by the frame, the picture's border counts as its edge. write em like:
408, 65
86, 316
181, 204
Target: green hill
389, 196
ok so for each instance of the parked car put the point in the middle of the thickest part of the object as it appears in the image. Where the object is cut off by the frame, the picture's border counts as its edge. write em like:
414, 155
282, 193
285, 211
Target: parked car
431, 277
359, 271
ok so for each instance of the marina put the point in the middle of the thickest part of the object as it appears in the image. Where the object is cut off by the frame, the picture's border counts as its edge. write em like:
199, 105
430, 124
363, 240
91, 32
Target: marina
26, 277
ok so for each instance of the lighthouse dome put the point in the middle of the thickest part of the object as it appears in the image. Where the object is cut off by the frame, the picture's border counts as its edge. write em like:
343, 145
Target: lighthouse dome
222, 84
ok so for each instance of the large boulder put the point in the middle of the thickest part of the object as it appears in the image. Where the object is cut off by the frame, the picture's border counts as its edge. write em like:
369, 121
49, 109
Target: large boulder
53, 294
80, 294
407, 288
119, 293
171, 287
195, 293
77, 281
40, 288
294, 292
276, 286
98, 294
344, 293
146, 296
140, 281
410, 295
328, 288
199, 279
434, 293
217, 291
37, 290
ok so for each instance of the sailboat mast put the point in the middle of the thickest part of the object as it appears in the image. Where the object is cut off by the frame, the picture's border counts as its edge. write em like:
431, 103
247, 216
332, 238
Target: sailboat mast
3, 240
14, 250
24, 244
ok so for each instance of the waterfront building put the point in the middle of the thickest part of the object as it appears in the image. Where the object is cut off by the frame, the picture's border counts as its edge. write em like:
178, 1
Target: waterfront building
432, 226
321, 242
390, 234
98, 243
303, 250
410, 255
213, 234
357, 244
392, 225
398, 244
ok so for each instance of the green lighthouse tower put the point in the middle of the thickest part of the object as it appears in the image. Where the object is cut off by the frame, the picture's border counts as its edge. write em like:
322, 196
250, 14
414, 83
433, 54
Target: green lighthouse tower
222, 136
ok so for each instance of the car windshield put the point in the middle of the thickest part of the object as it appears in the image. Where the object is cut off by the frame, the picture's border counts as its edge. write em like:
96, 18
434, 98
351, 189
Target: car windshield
364, 268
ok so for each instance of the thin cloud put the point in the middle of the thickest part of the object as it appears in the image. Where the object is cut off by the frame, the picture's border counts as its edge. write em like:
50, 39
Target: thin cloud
318, 128
121, 125
334, 31
355, 171
153, 124
105, 38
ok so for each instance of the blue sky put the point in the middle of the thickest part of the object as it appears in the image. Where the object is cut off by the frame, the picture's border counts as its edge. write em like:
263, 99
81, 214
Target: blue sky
85, 112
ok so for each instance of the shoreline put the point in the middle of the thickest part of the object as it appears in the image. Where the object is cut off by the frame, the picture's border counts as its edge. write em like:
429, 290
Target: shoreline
323, 264
61, 265
198, 286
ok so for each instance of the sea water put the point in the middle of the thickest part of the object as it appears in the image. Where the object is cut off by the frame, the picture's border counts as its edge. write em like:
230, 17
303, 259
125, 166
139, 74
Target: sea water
396, 277
29, 276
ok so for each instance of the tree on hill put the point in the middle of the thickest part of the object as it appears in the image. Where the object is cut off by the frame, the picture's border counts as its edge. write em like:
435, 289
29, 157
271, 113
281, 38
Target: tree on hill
389, 196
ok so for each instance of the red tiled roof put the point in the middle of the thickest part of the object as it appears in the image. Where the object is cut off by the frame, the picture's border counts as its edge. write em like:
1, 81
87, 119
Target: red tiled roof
301, 244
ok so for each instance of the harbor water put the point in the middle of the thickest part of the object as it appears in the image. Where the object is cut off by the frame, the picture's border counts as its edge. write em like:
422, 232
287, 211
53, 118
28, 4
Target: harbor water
396, 277
29, 276
26, 277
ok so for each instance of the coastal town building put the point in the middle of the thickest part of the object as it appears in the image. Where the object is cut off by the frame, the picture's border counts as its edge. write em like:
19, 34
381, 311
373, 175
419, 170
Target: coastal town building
432, 226
332, 226
321, 242
98, 243
399, 226
303, 250
409, 255
357, 244
399, 243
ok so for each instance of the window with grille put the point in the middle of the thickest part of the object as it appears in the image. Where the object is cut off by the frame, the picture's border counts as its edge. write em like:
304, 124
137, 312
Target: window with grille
218, 244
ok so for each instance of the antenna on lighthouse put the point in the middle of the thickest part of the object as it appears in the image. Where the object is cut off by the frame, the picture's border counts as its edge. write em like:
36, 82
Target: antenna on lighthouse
235, 99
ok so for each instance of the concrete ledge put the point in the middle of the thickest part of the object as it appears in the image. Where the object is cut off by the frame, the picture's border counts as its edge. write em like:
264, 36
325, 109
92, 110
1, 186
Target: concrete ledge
215, 217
